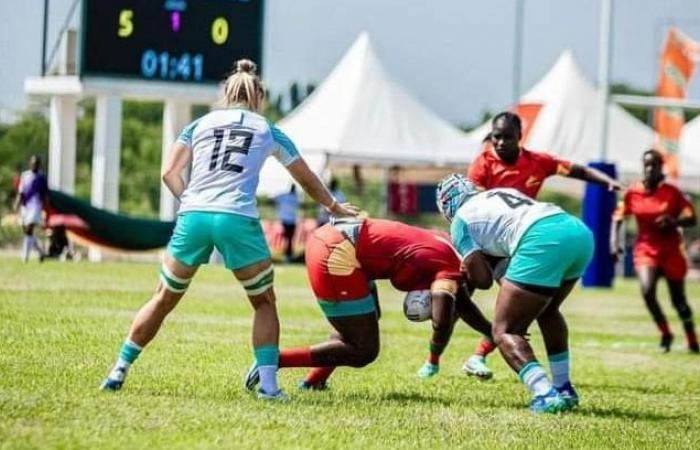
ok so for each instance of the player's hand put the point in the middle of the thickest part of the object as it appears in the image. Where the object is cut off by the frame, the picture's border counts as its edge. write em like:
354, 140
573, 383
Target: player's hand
666, 222
343, 209
616, 254
614, 186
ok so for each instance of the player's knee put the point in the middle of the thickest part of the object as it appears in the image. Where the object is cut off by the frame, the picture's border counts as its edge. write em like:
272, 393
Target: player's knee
173, 286
499, 331
365, 353
497, 337
165, 300
259, 288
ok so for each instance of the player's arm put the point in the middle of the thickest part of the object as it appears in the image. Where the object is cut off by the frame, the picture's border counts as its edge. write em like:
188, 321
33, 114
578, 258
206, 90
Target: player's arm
618, 219
593, 176
313, 186
179, 157
16, 201
474, 264
477, 270
288, 155
18, 196
467, 310
687, 221
686, 218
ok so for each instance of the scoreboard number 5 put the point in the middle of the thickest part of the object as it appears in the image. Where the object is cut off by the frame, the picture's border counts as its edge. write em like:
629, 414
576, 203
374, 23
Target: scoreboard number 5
126, 23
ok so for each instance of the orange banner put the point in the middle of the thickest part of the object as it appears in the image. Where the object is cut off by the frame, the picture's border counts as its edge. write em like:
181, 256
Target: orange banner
528, 114
678, 59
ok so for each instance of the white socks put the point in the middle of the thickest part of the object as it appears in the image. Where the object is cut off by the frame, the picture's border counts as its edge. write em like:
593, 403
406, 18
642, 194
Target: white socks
268, 379
534, 376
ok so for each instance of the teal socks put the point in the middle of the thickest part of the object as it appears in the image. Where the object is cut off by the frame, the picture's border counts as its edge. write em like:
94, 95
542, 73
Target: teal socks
559, 364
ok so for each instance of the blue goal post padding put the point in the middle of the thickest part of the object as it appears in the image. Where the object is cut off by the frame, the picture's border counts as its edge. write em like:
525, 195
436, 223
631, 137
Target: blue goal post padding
598, 207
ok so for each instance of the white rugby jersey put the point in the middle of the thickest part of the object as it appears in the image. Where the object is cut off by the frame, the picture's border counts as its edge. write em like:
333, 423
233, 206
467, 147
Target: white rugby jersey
229, 148
494, 221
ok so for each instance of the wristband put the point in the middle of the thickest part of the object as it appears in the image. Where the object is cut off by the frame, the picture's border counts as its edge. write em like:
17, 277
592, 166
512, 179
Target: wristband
332, 205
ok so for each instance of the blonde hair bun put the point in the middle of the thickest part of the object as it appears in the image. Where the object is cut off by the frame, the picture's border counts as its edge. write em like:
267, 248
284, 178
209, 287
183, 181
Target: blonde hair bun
246, 66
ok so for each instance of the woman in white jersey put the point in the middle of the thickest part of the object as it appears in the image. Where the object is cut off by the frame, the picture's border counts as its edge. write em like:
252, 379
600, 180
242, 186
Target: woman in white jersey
549, 250
226, 149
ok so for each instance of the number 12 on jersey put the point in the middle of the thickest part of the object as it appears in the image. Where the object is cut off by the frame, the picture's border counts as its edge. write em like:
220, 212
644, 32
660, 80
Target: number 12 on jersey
238, 142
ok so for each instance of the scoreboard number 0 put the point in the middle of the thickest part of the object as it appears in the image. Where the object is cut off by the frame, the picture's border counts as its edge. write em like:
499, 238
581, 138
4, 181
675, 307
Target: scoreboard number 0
219, 31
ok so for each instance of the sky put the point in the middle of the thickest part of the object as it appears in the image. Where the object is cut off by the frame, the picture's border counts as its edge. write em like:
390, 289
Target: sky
455, 56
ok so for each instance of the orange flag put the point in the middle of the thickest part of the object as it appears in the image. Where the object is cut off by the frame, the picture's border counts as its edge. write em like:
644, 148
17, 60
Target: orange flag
528, 114
678, 59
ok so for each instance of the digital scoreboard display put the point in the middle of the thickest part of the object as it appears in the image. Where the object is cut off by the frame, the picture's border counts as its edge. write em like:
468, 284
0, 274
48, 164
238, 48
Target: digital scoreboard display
194, 41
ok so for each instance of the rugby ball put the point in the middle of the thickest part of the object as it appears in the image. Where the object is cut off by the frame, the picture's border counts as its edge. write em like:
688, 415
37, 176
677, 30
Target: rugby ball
417, 305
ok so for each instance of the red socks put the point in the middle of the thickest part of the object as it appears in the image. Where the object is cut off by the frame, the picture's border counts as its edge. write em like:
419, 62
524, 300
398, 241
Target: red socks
484, 347
296, 357
435, 350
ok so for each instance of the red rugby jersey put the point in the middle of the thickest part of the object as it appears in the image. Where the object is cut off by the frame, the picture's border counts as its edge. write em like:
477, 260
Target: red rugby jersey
647, 206
489, 171
411, 257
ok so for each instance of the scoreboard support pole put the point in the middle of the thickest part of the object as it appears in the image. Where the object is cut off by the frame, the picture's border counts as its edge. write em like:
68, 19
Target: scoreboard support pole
62, 143
176, 115
106, 158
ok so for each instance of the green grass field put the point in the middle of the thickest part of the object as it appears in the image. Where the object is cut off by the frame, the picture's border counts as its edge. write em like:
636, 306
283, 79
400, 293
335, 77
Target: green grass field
61, 326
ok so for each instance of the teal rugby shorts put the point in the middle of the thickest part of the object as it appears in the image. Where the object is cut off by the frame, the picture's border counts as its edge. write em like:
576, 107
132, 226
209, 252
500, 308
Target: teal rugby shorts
553, 250
239, 239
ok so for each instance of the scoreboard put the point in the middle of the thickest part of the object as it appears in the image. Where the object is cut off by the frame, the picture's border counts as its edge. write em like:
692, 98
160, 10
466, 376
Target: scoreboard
194, 41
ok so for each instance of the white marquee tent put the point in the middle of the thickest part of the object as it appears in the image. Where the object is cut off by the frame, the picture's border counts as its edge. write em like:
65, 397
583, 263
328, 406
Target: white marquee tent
359, 114
568, 123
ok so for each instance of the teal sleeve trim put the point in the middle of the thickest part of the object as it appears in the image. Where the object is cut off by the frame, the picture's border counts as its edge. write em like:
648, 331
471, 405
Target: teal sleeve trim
462, 240
185, 136
288, 151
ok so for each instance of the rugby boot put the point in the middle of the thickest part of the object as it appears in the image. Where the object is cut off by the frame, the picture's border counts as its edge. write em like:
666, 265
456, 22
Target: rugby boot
665, 343
550, 403
252, 377
475, 366
428, 370
278, 396
569, 394
115, 380
319, 386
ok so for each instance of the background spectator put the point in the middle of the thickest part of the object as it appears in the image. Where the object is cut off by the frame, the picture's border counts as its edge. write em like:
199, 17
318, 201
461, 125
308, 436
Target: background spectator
287, 212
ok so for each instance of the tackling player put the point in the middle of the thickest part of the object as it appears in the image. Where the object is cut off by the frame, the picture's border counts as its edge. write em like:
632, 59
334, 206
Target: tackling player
503, 163
343, 259
660, 210
226, 149
549, 250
